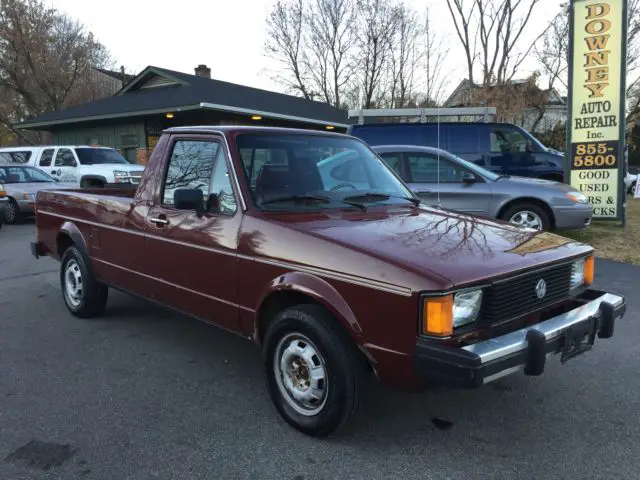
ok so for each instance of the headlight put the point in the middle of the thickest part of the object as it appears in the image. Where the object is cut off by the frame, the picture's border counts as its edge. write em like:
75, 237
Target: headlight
466, 306
578, 197
582, 272
441, 314
121, 176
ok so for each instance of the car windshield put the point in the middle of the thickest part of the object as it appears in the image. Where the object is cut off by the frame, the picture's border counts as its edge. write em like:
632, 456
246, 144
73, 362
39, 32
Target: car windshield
9, 175
300, 172
488, 174
93, 156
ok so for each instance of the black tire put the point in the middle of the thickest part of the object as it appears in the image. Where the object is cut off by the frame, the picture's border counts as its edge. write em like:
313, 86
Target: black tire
522, 207
342, 364
91, 295
12, 213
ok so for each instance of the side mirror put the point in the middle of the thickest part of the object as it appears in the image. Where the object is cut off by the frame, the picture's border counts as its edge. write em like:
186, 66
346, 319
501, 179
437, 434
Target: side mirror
189, 199
213, 203
468, 178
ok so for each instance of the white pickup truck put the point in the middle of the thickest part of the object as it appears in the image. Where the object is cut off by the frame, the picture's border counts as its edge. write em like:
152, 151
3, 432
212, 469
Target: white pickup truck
83, 166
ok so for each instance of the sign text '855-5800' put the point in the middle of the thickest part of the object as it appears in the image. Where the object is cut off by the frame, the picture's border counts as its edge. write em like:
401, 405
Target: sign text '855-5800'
596, 132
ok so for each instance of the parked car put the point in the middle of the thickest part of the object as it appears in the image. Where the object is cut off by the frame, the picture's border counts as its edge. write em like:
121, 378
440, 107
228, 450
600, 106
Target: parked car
630, 181
83, 166
21, 184
502, 148
441, 178
234, 225
3, 205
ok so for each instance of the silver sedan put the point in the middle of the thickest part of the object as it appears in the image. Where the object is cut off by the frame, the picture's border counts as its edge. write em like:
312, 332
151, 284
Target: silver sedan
441, 178
20, 185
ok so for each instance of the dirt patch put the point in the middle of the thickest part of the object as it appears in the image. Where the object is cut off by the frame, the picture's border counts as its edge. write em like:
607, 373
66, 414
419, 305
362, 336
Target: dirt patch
612, 241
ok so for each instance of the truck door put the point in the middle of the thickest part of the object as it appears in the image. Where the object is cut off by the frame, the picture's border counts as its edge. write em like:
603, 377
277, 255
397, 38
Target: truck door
65, 167
45, 162
193, 259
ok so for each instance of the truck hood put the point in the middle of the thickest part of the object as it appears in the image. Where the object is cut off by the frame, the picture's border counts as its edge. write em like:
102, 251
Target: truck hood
460, 248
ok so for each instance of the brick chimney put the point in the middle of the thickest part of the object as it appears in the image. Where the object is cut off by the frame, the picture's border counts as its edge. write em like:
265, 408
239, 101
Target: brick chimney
203, 71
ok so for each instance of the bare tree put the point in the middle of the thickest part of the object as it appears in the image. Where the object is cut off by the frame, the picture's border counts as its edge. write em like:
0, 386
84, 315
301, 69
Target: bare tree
405, 57
499, 28
435, 53
376, 32
462, 14
43, 57
285, 44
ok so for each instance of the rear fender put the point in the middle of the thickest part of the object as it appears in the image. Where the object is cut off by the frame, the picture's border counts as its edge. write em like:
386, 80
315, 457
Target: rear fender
317, 289
70, 230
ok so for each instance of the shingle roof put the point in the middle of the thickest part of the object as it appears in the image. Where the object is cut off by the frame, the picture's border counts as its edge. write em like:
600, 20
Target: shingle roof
195, 91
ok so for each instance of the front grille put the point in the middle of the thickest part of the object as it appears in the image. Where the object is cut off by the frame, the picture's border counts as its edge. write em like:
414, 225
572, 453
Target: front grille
514, 297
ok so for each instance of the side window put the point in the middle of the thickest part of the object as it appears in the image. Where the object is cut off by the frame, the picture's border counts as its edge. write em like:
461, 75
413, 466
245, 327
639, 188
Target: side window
64, 158
424, 168
47, 156
350, 171
393, 161
221, 187
190, 166
506, 140
15, 157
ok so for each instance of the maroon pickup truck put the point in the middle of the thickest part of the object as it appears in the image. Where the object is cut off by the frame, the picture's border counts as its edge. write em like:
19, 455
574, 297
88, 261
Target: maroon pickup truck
310, 245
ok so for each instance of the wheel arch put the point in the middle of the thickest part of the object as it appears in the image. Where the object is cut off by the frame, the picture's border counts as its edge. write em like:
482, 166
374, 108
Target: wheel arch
70, 235
295, 288
93, 178
524, 200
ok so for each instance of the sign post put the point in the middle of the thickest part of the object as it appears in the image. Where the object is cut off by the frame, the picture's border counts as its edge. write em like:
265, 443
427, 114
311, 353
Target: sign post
596, 102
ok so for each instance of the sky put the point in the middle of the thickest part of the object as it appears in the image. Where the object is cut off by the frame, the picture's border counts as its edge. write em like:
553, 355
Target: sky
229, 35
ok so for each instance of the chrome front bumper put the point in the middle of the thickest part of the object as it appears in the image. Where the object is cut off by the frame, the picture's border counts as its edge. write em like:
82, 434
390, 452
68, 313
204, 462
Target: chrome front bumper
568, 334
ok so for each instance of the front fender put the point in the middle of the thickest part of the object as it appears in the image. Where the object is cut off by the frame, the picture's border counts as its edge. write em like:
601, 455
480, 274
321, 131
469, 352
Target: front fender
317, 289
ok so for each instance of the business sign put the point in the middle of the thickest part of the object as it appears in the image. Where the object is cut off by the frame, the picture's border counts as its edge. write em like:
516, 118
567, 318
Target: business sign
596, 128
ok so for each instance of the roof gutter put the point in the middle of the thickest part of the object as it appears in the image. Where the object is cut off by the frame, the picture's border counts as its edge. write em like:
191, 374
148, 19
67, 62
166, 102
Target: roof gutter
184, 108
248, 111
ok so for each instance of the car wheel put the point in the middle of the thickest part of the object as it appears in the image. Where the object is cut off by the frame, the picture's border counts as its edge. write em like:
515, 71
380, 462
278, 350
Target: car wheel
314, 372
83, 295
12, 213
527, 215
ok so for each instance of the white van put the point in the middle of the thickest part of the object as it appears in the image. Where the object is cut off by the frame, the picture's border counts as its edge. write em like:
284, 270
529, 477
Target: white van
83, 166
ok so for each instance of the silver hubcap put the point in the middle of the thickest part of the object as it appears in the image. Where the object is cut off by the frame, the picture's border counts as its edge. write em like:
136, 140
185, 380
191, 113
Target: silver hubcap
526, 218
73, 287
11, 212
301, 374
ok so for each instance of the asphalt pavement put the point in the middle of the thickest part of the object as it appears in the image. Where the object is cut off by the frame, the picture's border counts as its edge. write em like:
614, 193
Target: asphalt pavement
143, 393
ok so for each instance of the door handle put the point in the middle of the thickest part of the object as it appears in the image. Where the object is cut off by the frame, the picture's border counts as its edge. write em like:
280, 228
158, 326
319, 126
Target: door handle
159, 221
419, 191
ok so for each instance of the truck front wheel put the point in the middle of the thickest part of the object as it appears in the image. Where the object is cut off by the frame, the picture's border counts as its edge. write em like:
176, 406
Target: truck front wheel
83, 295
314, 373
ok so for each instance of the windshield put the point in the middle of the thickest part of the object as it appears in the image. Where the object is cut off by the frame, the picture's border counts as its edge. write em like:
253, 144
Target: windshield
93, 156
299, 172
488, 174
10, 175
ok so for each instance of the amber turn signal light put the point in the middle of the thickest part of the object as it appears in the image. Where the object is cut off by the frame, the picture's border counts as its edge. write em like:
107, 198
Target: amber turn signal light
437, 316
589, 270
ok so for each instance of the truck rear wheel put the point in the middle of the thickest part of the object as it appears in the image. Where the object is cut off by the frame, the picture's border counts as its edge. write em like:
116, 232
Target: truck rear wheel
83, 295
314, 373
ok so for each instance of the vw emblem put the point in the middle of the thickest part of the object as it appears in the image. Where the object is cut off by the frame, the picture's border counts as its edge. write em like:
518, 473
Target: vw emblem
541, 288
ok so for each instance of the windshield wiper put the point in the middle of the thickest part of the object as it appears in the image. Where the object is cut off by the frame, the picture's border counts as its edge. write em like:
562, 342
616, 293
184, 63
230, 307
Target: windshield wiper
297, 198
376, 196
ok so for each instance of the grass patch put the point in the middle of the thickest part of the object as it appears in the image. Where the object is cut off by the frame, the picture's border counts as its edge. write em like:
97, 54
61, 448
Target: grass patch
612, 241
